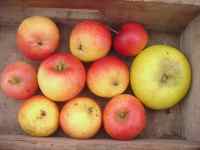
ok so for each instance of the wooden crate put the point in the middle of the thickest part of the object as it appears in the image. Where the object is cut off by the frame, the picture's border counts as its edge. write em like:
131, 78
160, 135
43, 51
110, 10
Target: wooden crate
173, 22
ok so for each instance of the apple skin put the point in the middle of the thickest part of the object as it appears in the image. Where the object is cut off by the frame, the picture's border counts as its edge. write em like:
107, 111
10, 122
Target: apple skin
38, 116
61, 77
108, 76
81, 118
124, 117
160, 76
131, 39
19, 80
37, 37
90, 40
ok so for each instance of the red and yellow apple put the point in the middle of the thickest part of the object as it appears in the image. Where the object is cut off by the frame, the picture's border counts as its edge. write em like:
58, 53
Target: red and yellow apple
81, 118
90, 40
108, 76
124, 117
131, 39
19, 80
37, 37
61, 76
160, 76
38, 116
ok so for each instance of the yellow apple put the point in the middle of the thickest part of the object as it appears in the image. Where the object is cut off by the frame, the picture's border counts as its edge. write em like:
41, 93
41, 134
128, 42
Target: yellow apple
38, 116
160, 76
108, 77
81, 118
90, 40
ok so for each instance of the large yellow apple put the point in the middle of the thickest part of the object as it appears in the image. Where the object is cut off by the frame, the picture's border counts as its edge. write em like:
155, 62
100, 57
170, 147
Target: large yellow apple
81, 118
160, 76
39, 116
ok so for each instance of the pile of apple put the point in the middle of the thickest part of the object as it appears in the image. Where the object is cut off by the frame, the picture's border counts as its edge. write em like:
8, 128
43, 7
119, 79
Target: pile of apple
160, 77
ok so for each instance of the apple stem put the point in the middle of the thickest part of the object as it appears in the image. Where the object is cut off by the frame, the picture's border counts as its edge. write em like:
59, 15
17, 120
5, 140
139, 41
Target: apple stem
113, 30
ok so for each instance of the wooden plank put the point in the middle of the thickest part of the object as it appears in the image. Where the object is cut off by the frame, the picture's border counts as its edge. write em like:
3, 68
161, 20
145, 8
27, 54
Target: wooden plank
190, 44
12, 142
147, 14
94, 4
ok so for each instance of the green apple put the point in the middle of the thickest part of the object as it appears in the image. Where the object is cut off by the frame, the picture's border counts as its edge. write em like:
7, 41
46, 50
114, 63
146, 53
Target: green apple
160, 76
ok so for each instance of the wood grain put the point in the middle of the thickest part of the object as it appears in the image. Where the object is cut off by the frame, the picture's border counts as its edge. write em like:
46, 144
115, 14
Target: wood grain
190, 44
12, 142
172, 16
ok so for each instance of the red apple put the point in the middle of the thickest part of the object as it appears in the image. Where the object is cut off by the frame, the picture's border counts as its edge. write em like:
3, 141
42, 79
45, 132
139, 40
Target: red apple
61, 76
131, 39
90, 40
124, 117
19, 80
108, 76
37, 37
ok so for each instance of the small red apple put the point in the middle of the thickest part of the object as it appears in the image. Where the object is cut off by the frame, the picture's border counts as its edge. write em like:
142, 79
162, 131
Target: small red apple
124, 117
131, 39
90, 40
19, 80
108, 76
61, 76
37, 37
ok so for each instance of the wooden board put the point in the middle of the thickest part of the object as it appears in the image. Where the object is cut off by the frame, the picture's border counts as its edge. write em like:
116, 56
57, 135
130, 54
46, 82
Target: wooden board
172, 16
190, 44
28, 143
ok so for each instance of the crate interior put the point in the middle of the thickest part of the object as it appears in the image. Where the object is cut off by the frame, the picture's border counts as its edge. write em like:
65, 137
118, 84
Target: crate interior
164, 28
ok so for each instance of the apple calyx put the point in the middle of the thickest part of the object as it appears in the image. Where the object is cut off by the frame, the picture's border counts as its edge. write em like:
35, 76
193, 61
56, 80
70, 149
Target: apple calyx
42, 114
60, 67
80, 47
15, 80
90, 110
164, 78
122, 115
115, 83
39, 43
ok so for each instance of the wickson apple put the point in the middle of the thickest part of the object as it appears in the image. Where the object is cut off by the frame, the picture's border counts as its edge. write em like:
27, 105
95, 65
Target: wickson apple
19, 80
81, 118
160, 76
38, 116
108, 76
61, 76
90, 40
124, 117
131, 39
37, 37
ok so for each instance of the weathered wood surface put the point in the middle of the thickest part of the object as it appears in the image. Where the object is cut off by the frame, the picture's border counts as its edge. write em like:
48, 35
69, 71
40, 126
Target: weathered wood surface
190, 43
170, 16
13, 142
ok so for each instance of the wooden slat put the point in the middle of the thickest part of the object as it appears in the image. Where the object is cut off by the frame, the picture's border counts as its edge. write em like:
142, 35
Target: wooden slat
94, 4
191, 45
11, 142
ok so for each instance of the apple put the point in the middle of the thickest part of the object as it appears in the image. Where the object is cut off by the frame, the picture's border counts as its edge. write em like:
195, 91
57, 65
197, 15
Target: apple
19, 80
131, 39
81, 118
160, 76
61, 76
90, 40
124, 117
37, 37
38, 116
108, 76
